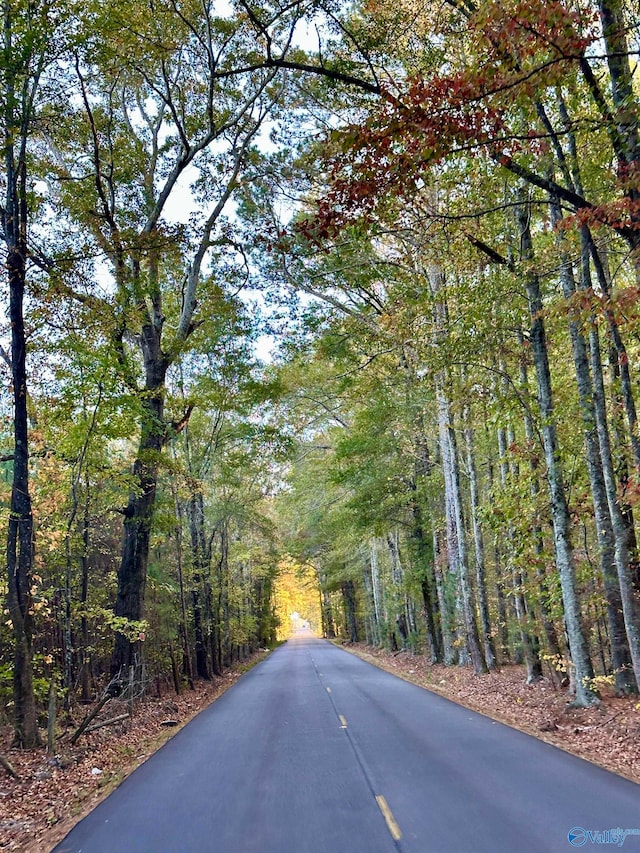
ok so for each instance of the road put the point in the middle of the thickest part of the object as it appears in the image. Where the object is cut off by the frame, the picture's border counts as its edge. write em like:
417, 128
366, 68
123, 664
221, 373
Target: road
315, 750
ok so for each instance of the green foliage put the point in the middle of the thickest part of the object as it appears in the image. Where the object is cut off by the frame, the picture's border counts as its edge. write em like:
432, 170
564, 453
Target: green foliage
333, 456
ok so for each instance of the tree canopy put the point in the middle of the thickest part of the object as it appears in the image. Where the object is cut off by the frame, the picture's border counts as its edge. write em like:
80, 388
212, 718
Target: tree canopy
431, 214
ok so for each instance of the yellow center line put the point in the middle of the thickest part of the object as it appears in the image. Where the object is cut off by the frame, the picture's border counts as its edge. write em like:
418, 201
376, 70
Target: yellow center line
392, 825
342, 721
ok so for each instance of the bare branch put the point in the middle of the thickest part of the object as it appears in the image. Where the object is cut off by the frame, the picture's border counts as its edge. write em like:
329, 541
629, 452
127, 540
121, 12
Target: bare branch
495, 256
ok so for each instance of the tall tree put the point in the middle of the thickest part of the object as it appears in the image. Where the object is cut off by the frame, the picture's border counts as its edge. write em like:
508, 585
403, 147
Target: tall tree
27, 34
171, 113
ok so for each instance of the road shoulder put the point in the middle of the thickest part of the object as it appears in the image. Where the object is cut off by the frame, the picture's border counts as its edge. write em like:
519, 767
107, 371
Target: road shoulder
607, 735
52, 795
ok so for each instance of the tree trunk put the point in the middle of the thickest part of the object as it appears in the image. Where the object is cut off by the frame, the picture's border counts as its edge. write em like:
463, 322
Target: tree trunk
450, 458
626, 141
627, 151
530, 650
371, 623
456, 534
448, 648
625, 592
85, 672
619, 455
375, 589
327, 616
213, 634
132, 573
619, 361
184, 627
426, 558
612, 553
454, 616
349, 598
478, 541
20, 527
559, 511
503, 619
621, 357
219, 626
20, 83
200, 642
201, 563
549, 628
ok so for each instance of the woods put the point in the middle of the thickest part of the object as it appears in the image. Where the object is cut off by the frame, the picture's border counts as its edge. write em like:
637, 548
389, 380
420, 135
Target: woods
430, 218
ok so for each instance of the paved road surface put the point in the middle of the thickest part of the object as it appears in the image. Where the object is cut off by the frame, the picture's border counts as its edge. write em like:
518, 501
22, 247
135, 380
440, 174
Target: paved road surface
315, 750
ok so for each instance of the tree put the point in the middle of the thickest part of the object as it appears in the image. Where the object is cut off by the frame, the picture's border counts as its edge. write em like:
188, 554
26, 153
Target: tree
172, 110
28, 31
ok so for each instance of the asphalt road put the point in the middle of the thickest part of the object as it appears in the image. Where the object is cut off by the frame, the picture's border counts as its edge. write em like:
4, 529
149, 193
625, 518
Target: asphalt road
315, 750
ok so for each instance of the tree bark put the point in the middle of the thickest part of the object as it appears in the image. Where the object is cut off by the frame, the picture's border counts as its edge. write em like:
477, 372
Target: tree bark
85, 671
327, 616
503, 619
456, 533
448, 648
626, 593
613, 556
626, 112
451, 459
184, 627
20, 82
549, 628
478, 541
20, 528
559, 511
371, 622
132, 573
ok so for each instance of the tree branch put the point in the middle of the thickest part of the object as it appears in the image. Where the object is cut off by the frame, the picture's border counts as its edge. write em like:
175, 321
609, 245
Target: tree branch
495, 256
178, 426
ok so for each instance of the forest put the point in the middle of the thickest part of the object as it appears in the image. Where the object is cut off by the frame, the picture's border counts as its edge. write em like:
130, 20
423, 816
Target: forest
317, 304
